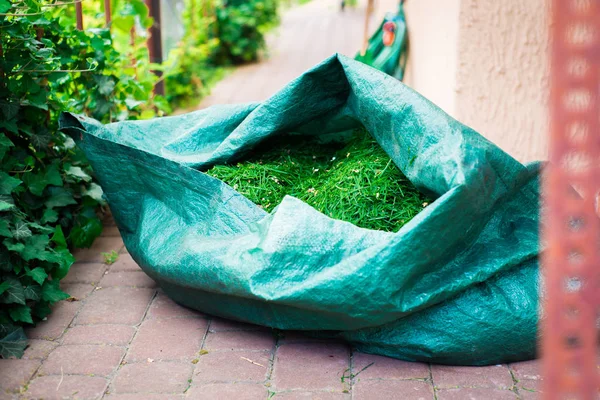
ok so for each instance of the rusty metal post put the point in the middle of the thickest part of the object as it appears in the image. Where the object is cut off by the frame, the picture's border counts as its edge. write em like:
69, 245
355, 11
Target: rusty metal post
79, 15
571, 228
107, 12
155, 42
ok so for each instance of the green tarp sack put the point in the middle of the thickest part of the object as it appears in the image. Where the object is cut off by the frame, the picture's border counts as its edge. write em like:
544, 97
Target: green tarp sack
391, 57
457, 284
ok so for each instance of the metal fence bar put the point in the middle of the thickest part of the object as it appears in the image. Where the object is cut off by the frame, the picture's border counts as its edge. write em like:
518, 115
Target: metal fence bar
107, 12
571, 228
79, 15
155, 42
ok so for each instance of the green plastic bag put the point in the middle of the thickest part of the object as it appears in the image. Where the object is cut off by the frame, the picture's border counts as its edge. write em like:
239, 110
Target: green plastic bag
390, 58
457, 284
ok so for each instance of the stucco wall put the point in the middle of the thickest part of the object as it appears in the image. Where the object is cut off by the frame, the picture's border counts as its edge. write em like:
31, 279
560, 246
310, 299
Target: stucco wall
490, 69
433, 27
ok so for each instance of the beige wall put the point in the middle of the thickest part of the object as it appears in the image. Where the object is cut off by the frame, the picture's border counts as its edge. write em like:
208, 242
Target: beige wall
433, 27
485, 63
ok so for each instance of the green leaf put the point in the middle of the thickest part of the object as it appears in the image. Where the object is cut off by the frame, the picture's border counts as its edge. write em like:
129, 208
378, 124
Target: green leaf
5, 263
4, 6
59, 237
38, 182
10, 126
3, 286
97, 43
59, 78
64, 259
20, 313
5, 144
38, 274
14, 293
32, 292
40, 228
84, 234
49, 216
8, 183
6, 203
4, 231
35, 248
21, 231
51, 292
39, 99
53, 176
41, 309
13, 343
77, 172
60, 198
12, 246
95, 192
124, 24
106, 84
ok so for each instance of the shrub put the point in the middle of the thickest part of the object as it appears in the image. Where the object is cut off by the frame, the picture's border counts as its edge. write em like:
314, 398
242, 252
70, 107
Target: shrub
240, 25
48, 199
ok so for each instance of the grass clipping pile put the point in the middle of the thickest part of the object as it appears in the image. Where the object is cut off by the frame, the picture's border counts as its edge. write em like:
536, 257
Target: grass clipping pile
355, 182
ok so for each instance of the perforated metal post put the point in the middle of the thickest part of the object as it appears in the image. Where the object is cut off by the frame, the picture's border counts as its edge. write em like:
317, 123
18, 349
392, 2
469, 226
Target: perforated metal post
571, 230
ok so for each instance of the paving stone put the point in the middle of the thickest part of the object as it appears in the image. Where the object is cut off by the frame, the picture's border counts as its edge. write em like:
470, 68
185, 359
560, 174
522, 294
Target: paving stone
240, 340
527, 370
101, 245
8, 395
38, 349
78, 291
237, 391
164, 307
115, 305
84, 273
220, 325
232, 366
124, 263
300, 337
153, 377
57, 322
67, 386
144, 396
116, 335
530, 389
83, 360
530, 395
445, 376
392, 390
476, 394
298, 395
310, 365
531, 384
127, 278
168, 339
16, 373
369, 366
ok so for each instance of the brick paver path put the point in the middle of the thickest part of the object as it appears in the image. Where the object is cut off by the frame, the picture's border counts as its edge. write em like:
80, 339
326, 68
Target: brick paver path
122, 338
307, 35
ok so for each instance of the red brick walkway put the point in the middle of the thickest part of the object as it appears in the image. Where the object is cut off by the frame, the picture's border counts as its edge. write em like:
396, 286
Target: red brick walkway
122, 338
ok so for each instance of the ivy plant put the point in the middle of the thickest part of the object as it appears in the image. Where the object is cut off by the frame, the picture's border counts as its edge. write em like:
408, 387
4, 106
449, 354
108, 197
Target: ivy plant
48, 199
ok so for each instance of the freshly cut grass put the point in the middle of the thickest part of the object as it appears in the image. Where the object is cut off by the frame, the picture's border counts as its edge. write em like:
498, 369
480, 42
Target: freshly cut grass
355, 182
